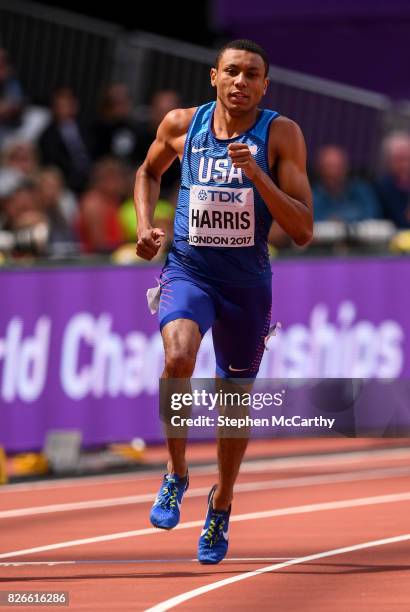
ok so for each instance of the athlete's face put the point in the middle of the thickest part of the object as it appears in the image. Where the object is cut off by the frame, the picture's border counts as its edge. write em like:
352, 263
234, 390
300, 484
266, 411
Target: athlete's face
239, 80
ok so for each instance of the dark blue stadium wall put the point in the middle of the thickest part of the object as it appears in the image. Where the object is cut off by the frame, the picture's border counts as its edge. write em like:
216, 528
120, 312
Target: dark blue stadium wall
361, 42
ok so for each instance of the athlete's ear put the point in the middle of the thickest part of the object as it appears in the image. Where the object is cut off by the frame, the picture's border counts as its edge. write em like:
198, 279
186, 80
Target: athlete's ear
213, 77
265, 87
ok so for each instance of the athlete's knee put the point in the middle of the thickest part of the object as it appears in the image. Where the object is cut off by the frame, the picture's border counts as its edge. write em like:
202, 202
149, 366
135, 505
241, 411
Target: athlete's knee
179, 364
181, 343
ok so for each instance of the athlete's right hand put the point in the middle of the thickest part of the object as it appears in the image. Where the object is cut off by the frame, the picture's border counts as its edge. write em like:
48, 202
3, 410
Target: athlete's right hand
149, 242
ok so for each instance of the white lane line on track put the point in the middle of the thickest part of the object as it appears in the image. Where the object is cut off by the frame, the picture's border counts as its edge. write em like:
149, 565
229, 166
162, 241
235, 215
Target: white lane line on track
179, 599
264, 485
132, 561
336, 505
255, 465
35, 563
321, 459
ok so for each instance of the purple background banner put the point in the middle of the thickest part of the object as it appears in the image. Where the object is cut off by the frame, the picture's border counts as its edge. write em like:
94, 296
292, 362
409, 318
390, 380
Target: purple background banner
345, 41
80, 350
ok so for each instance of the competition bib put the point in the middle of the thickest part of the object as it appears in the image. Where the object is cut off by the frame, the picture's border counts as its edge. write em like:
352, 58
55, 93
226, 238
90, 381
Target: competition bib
221, 216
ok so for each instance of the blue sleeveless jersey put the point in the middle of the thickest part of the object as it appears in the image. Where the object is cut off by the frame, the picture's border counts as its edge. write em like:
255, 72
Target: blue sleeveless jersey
221, 222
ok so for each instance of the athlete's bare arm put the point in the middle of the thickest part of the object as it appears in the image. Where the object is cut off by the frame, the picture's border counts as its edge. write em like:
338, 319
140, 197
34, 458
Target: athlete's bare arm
290, 203
168, 145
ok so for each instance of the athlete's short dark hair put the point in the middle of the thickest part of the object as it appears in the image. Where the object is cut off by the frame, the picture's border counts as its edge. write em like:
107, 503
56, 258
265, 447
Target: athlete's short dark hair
243, 44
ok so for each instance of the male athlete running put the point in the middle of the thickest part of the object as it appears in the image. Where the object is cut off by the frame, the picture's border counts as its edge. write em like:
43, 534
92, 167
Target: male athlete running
242, 167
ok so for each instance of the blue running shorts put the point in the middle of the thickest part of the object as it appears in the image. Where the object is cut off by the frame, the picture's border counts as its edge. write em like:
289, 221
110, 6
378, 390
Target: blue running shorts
239, 317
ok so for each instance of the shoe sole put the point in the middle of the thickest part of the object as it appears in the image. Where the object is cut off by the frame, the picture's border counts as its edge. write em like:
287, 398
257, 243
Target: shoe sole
163, 528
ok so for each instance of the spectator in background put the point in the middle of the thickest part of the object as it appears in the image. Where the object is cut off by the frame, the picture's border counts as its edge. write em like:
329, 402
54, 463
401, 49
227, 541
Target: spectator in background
53, 192
99, 225
17, 195
22, 219
338, 197
394, 186
65, 143
116, 133
21, 156
35, 226
11, 98
61, 209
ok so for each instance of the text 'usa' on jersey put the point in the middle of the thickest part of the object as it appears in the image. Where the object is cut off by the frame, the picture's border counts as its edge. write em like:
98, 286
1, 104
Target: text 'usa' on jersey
221, 222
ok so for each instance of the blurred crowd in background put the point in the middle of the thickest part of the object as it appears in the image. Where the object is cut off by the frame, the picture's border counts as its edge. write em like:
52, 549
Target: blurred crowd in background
66, 180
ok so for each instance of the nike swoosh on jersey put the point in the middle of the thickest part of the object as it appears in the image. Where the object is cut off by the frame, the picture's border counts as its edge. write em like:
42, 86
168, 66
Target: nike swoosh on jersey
195, 150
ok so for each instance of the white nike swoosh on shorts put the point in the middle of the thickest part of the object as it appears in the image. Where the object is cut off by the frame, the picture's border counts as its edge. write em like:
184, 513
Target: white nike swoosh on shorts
237, 369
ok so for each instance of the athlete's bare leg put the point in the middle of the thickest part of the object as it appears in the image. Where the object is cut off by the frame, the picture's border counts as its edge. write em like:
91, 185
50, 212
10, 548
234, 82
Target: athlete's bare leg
231, 451
230, 455
181, 339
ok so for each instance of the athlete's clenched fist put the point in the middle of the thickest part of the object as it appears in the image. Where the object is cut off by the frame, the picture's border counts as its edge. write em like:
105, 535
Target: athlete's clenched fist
149, 242
242, 158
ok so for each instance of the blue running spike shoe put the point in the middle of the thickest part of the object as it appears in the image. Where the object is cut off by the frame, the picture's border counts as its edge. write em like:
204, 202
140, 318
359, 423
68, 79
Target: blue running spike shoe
166, 509
213, 543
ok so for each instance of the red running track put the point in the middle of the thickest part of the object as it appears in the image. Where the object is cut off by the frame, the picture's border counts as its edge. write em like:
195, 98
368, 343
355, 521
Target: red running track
314, 532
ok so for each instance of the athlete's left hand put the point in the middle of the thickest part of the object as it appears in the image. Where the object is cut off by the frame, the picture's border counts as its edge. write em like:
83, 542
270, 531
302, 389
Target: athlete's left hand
242, 158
